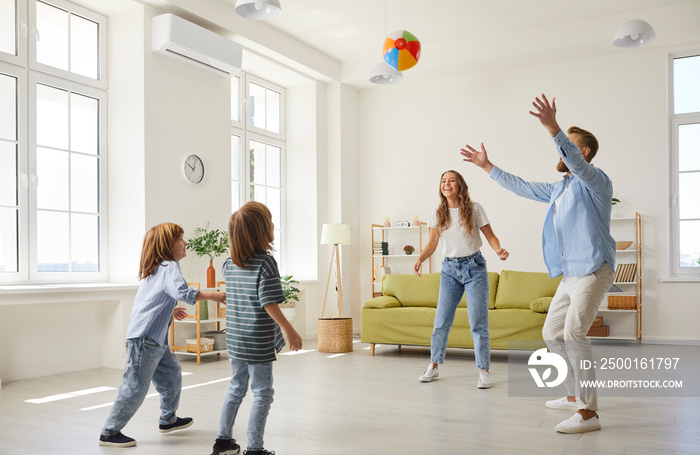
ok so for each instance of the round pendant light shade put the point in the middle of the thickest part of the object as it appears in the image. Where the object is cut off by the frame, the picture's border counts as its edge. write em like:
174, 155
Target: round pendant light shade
383, 73
634, 33
258, 9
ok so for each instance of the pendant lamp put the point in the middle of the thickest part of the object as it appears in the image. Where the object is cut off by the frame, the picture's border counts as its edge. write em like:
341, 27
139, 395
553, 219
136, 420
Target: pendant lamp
634, 33
258, 9
383, 73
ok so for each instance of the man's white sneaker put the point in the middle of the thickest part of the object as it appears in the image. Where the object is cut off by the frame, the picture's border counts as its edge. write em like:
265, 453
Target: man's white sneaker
484, 380
562, 403
577, 424
429, 374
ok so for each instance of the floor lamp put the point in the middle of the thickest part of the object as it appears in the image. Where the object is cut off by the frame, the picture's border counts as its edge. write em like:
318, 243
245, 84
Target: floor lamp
335, 334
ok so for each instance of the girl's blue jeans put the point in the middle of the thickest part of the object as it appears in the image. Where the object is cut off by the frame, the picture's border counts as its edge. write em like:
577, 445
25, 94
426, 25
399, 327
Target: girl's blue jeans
146, 361
260, 375
460, 275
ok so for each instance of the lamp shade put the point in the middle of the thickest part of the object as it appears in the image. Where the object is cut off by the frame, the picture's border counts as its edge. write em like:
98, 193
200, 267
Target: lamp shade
258, 9
335, 234
634, 33
383, 73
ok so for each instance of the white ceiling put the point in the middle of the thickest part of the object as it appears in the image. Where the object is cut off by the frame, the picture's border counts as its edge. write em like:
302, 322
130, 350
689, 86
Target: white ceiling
459, 35
349, 30
455, 34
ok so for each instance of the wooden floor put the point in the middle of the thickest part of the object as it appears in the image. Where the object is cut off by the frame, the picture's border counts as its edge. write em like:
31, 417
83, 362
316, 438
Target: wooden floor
345, 404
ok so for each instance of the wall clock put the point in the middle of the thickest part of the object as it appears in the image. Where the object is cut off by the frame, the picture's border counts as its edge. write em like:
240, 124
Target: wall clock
193, 169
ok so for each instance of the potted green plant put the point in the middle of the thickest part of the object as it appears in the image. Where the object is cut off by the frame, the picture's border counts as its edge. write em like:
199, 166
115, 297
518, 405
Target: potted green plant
291, 292
212, 243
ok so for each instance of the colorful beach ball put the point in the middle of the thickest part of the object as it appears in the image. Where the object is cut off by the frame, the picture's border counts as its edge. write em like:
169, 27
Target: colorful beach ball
401, 50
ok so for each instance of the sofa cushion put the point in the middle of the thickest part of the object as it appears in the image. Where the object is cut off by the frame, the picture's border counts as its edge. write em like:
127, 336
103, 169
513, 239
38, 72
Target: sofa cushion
493, 287
541, 305
519, 289
382, 301
412, 290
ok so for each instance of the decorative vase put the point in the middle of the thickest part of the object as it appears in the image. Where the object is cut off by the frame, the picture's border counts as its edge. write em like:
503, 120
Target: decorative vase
211, 275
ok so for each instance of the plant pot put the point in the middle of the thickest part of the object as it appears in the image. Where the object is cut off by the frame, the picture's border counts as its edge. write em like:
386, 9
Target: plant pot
211, 275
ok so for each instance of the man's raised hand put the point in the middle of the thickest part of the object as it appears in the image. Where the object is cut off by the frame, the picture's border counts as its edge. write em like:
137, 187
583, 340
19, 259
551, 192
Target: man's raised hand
547, 114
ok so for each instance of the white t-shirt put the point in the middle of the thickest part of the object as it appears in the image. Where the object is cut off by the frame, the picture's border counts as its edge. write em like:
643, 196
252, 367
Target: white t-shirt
456, 241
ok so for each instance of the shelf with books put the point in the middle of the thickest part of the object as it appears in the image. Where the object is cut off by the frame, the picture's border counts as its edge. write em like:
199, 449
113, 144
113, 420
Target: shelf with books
388, 247
625, 296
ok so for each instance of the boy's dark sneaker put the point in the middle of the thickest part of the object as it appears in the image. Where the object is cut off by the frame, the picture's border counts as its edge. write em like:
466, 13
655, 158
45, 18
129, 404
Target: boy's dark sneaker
226, 447
179, 424
117, 440
258, 452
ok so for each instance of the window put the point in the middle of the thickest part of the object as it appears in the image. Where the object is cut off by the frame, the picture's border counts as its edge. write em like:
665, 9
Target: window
257, 149
685, 165
52, 130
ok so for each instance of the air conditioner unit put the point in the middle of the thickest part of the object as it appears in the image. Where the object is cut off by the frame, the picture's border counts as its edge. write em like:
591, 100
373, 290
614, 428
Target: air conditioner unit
174, 36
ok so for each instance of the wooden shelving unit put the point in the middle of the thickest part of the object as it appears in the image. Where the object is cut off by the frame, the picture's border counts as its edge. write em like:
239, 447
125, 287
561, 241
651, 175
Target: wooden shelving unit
396, 252
631, 255
196, 319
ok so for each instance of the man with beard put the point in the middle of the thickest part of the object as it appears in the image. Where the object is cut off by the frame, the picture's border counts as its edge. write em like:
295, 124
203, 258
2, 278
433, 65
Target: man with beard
577, 244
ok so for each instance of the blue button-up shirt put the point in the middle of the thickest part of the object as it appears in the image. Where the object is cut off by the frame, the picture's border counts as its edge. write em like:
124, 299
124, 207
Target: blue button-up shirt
577, 240
155, 301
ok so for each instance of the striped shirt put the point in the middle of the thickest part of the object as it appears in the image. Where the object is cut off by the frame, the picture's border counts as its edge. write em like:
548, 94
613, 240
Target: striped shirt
251, 334
456, 241
155, 301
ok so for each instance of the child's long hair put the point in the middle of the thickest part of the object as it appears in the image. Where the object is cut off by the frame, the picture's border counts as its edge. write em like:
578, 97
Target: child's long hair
465, 204
250, 232
158, 247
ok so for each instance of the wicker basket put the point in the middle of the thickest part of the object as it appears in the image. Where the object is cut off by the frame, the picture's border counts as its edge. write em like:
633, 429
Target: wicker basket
334, 334
221, 312
205, 344
622, 302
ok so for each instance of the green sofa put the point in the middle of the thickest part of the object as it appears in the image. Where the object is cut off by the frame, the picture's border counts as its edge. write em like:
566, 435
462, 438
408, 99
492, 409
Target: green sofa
404, 314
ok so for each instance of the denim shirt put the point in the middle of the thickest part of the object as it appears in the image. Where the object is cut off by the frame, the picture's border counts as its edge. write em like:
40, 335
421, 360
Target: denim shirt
577, 241
155, 301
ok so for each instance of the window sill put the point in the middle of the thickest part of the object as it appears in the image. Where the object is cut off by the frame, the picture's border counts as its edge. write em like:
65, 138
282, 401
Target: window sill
27, 289
680, 279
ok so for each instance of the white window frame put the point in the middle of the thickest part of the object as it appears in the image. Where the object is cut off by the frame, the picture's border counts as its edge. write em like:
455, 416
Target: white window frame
28, 73
282, 135
247, 132
248, 182
242, 157
22, 176
676, 121
21, 31
35, 275
240, 124
78, 10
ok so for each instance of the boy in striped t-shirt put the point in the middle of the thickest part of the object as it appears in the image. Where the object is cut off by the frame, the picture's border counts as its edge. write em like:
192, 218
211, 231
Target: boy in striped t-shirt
256, 329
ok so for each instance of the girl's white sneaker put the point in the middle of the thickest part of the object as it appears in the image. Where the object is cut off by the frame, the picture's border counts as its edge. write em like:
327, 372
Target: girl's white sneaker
484, 380
429, 374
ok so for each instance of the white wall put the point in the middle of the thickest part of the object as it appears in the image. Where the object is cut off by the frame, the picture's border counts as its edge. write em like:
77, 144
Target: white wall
412, 132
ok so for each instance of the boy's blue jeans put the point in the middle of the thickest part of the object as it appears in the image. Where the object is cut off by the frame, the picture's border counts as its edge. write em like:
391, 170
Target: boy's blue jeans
460, 275
260, 375
146, 362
